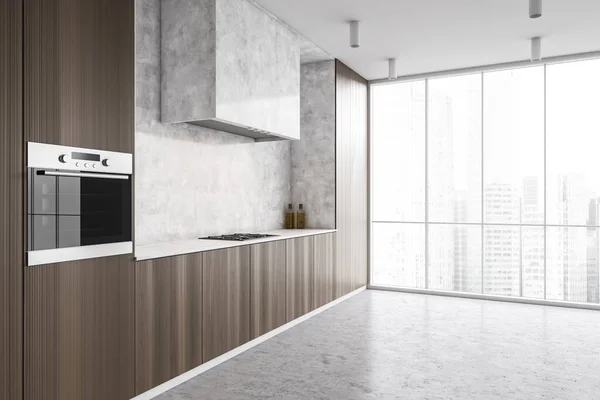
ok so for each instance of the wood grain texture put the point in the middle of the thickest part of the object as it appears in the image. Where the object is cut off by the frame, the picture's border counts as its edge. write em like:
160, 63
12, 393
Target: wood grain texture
300, 277
11, 201
168, 319
79, 330
225, 300
325, 269
79, 73
267, 287
351, 179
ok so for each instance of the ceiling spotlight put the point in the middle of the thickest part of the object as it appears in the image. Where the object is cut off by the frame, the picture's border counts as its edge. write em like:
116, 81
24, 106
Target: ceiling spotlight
536, 49
393, 70
354, 34
535, 8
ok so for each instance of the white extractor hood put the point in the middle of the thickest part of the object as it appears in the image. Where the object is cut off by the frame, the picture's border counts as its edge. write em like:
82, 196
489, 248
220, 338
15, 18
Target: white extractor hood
227, 65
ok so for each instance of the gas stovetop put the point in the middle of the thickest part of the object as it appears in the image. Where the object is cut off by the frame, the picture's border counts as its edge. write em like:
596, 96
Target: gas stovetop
239, 237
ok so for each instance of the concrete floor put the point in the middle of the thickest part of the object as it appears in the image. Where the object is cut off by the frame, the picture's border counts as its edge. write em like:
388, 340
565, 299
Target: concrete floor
386, 345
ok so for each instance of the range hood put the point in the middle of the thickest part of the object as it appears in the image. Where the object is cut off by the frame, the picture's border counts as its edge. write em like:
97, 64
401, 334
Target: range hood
228, 126
229, 66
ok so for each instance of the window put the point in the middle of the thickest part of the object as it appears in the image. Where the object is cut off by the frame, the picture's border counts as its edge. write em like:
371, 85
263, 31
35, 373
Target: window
454, 149
399, 142
513, 136
487, 183
573, 139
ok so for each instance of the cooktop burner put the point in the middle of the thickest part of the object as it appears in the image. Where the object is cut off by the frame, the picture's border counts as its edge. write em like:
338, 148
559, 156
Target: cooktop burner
240, 237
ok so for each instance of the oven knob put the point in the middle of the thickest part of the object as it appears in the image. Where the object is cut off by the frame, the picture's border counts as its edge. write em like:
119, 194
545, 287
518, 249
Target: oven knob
64, 158
86, 165
106, 162
77, 164
93, 165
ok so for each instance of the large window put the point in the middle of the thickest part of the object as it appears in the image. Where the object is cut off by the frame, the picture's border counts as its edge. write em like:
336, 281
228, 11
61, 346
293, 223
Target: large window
489, 183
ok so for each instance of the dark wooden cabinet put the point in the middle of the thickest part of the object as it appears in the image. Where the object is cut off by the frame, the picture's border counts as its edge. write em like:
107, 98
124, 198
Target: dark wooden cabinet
351, 177
267, 287
225, 300
168, 319
325, 269
110, 329
79, 73
11, 200
300, 276
79, 330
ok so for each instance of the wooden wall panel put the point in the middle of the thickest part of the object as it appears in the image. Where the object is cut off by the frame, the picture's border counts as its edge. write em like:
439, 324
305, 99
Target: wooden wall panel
300, 276
225, 300
168, 319
11, 200
79, 73
267, 287
351, 178
325, 269
79, 330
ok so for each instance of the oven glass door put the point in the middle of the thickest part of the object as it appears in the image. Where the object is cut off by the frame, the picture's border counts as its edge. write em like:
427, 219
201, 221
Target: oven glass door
73, 211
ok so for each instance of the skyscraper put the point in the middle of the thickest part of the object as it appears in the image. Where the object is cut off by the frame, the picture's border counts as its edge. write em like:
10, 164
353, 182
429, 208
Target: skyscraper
502, 244
532, 239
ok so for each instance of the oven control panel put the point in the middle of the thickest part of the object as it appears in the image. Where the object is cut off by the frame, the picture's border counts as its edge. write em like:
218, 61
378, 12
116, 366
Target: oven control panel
78, 159
82, 160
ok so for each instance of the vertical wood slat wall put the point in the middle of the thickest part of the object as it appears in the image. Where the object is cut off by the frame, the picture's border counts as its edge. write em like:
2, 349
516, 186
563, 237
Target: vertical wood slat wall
11, 200
351, 178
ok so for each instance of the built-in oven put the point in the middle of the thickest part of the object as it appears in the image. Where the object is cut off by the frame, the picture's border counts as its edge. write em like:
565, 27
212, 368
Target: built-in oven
79, 203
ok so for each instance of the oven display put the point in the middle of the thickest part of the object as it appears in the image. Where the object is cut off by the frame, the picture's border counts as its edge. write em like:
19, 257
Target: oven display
85, 156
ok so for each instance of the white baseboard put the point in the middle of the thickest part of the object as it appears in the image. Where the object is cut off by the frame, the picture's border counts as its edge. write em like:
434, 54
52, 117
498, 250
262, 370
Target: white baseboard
162, 388
492, 297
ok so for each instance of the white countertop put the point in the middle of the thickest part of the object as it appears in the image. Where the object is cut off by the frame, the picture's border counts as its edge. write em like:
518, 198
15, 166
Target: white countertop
169, 249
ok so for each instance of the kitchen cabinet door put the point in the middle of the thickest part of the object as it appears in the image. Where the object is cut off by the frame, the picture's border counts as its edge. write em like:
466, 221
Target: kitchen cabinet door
168, 319
225, 300
300, 276
267, 287
79, 73
324, 269
79, 330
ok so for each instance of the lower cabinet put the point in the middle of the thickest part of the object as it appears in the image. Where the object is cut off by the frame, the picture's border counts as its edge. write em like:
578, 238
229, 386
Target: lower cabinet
192, 308
225, 300
325, 287
79, 330
168, 319
267, 287
300, 277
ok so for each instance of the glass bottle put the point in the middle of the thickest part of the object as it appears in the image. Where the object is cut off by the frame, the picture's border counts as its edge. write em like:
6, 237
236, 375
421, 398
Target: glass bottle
301, 217
289, 217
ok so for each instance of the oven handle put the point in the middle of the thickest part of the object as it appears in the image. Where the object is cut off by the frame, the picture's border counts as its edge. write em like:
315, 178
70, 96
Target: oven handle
83, 175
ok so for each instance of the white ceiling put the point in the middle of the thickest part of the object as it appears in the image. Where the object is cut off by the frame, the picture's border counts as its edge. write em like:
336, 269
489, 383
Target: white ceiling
437, 35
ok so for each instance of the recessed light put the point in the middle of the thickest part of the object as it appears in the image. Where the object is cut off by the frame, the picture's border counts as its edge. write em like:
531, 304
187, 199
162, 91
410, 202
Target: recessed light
536, 49
393, 72
354, 34
535, 8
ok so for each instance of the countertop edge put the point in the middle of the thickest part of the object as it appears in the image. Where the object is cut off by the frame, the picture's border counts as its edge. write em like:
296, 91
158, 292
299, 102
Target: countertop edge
219, 245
